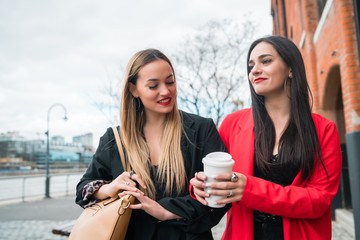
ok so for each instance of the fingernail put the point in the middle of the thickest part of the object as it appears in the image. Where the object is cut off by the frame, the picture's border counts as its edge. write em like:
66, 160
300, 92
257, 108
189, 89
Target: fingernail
209, 192
207, 184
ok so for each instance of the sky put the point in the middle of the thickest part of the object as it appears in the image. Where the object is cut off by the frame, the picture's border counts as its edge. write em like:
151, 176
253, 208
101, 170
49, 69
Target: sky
67, 51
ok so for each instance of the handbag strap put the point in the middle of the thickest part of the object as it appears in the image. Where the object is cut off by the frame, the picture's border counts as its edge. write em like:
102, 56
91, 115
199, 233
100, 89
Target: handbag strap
121, 150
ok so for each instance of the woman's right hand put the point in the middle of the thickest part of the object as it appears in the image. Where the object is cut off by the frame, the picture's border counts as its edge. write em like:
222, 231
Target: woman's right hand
198, 183
124, 182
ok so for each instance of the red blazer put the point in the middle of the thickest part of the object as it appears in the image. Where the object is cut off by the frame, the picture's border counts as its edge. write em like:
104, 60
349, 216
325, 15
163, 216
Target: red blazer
305, 206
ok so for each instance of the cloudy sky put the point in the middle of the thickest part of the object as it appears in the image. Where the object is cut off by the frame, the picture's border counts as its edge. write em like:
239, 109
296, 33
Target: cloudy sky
66, 51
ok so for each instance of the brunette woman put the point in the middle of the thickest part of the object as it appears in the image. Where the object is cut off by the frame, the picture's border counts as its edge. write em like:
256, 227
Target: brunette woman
287, 159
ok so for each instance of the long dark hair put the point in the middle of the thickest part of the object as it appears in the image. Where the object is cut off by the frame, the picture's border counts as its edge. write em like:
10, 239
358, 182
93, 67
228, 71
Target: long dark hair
299, 143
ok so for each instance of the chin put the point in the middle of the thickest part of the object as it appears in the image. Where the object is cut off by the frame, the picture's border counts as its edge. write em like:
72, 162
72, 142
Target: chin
167, 110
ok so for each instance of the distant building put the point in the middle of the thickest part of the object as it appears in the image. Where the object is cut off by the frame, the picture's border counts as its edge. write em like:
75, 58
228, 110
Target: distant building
86, 140
59, 139
15, 149
60, 152
12, 145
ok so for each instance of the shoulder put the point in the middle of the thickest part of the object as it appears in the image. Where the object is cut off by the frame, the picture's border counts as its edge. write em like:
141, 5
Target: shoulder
107, 140
242, 118
324, 127
109, 134
190, 119
321, 122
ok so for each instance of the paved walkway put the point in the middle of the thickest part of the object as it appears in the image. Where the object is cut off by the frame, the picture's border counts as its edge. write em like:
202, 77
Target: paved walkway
35, 220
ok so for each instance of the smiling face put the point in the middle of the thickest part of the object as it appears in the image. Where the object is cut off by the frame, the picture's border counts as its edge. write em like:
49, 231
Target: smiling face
268, 71
156, 88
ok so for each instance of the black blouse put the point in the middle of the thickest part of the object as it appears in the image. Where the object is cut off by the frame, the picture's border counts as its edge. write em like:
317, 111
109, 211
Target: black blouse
268, 226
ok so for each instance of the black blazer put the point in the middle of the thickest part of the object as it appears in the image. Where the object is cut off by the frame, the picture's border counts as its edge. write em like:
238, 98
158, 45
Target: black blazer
201, 137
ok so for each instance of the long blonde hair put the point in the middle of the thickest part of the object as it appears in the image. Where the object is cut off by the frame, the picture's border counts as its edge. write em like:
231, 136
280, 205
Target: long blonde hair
171, 168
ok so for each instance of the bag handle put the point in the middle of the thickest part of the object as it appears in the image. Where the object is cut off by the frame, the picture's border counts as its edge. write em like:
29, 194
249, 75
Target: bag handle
121, 150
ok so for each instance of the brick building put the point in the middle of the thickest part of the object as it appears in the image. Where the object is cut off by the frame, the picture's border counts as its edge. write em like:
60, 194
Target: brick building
327, 34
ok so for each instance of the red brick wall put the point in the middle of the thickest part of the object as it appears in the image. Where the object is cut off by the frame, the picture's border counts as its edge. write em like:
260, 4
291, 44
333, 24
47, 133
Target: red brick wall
335, 48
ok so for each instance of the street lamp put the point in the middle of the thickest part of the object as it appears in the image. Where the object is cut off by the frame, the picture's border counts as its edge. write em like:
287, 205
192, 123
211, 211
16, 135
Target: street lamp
47, 179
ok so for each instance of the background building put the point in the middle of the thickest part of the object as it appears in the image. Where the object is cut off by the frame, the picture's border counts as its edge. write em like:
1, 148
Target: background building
12, 150
59, 139
18, 153
12, 145
86, 140
327, 34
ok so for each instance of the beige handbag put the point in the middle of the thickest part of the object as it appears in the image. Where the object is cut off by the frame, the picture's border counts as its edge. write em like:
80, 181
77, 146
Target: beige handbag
108, 219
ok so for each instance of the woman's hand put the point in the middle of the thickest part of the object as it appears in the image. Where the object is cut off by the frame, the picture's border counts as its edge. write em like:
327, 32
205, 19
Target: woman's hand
198, 183
125, 181
150, 206
229, 185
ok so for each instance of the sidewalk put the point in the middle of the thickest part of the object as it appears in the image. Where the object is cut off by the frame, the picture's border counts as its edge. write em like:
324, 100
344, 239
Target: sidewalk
35, 220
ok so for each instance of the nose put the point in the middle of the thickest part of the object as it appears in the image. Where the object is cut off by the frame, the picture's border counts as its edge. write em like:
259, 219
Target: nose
255, 70
164, 90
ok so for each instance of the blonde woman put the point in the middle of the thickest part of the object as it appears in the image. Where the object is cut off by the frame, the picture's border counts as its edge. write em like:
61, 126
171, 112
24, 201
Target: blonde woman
164, 147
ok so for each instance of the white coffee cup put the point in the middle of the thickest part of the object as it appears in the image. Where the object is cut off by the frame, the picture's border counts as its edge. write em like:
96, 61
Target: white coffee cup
215, 163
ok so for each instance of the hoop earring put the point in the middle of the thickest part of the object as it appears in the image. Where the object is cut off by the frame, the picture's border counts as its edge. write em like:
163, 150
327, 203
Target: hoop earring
285, 85
286, 81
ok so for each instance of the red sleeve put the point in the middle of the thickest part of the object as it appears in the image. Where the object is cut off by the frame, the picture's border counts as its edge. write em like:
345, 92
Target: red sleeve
308, 199
191, 191
224, 130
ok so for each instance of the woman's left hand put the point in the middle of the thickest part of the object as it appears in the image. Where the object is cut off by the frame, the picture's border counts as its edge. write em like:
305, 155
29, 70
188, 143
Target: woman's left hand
233, 189
150, 206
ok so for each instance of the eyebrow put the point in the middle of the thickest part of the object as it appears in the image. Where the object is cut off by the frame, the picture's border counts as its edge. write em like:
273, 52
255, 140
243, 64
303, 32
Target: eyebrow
156, 80
261, 57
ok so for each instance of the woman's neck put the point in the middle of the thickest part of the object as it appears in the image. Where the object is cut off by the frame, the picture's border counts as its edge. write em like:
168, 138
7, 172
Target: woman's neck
278, 108
153, 128
154, 120
279, 112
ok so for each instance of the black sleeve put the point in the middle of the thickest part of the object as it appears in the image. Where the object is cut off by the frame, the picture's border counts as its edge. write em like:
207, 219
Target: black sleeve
100, 166
196, 217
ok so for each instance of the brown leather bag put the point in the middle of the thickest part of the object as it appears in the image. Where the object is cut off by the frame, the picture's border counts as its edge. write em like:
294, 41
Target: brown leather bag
108, 219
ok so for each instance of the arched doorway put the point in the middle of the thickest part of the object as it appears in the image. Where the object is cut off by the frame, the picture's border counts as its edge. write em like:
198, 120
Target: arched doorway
333, 109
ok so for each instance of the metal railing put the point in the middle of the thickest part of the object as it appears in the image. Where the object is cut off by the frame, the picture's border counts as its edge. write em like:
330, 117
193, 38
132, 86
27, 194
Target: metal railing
22, 187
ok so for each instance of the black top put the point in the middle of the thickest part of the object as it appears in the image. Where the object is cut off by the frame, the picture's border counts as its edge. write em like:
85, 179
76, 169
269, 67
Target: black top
268, 226
197, 220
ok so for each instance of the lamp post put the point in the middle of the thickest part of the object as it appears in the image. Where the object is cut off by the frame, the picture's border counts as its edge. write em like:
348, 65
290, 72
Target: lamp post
47, 178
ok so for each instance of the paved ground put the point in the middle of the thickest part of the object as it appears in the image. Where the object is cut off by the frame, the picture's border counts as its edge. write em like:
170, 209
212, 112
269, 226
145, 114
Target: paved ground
35, 220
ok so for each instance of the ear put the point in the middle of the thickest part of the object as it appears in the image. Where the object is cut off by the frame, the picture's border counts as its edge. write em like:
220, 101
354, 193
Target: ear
133, 90
290, 74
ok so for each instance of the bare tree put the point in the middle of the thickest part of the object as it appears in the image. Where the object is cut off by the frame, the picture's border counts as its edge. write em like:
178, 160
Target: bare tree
108, 103
211, 69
